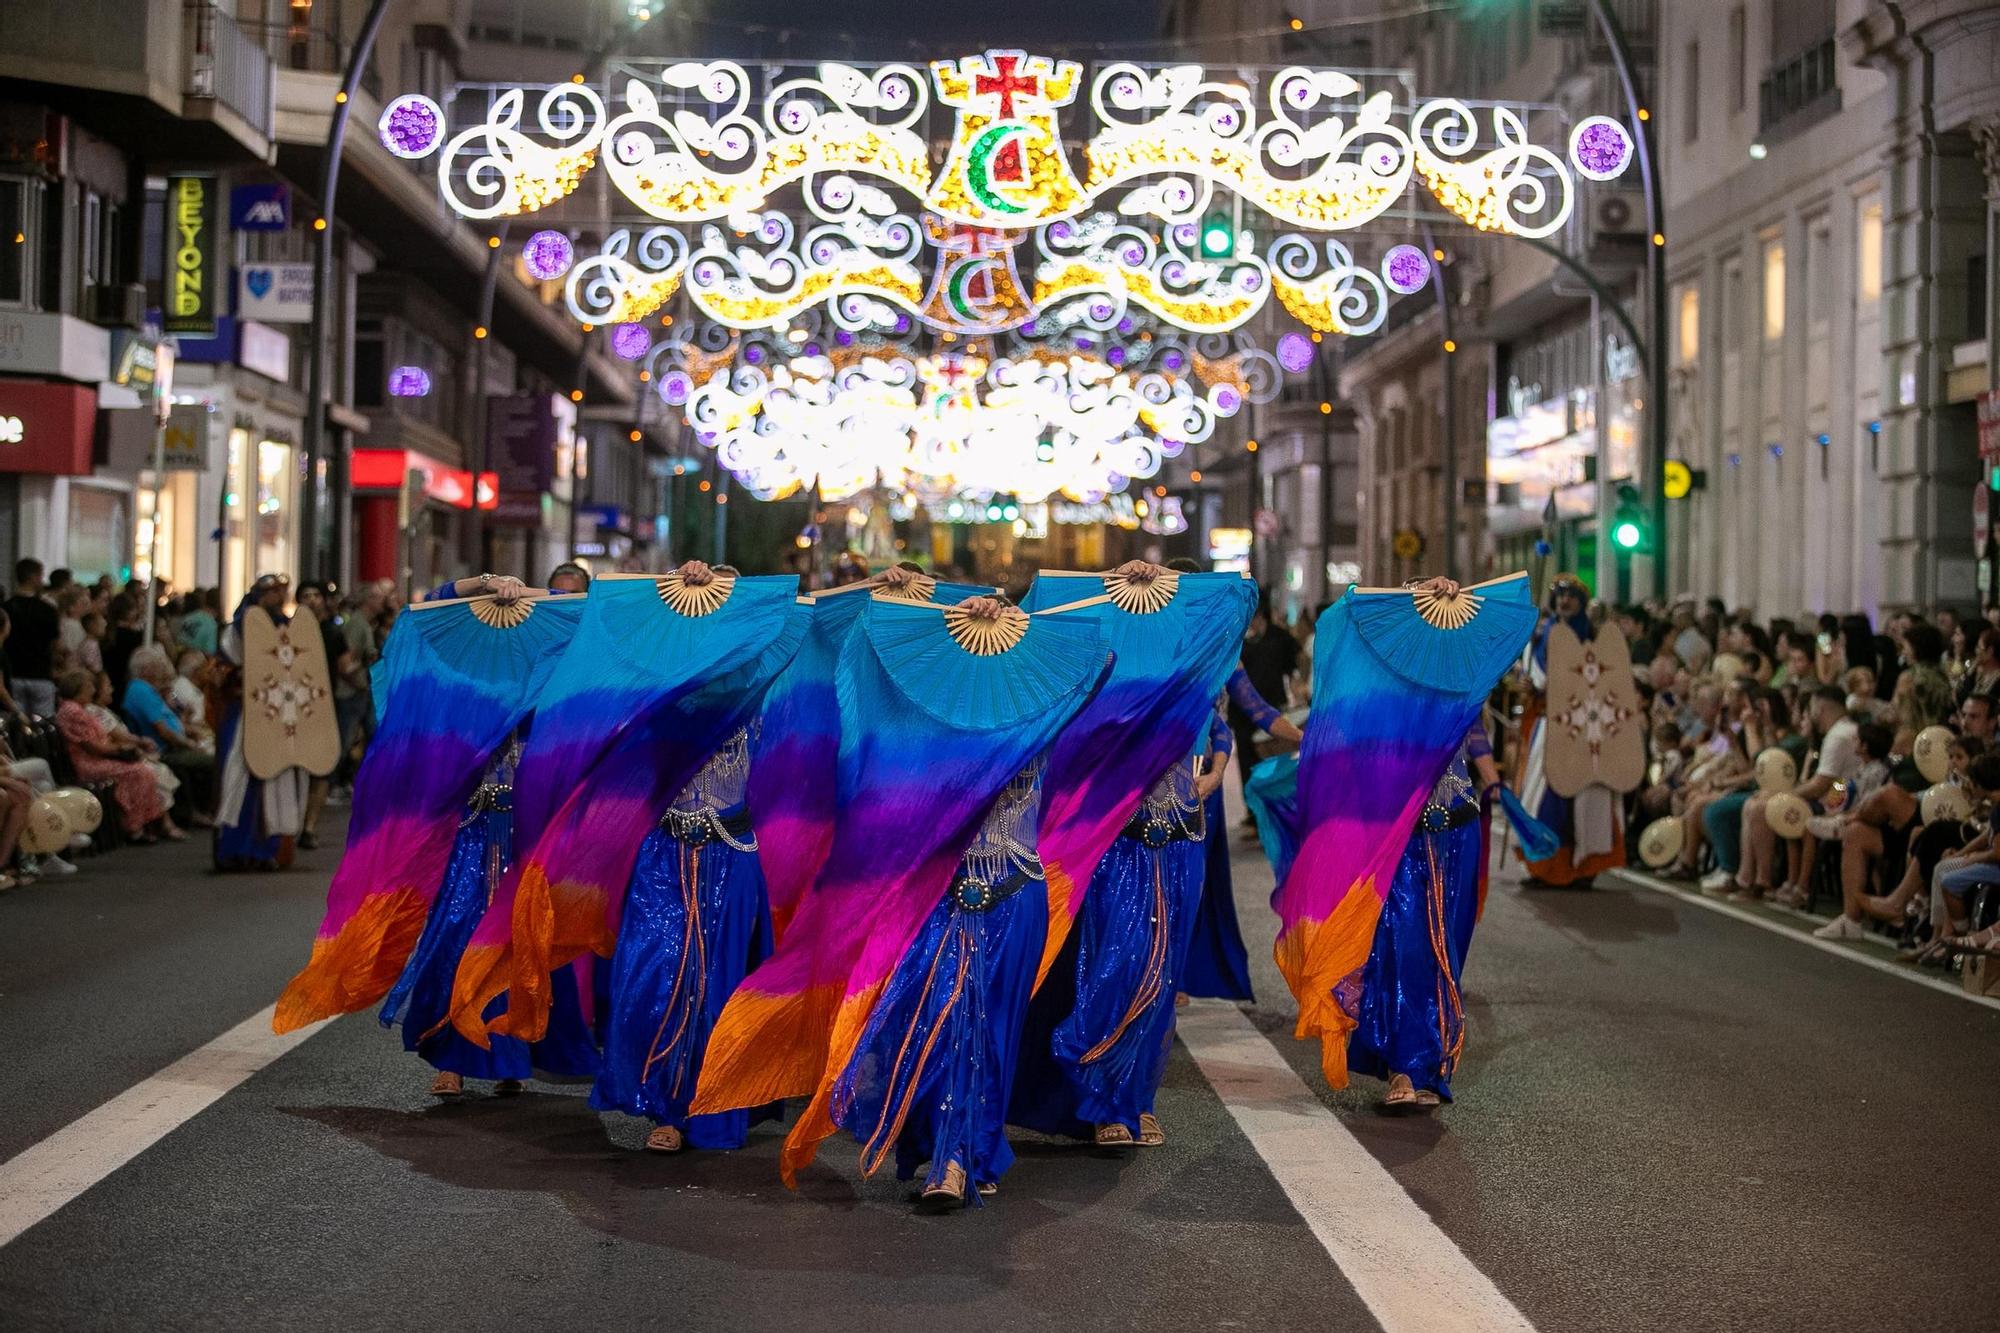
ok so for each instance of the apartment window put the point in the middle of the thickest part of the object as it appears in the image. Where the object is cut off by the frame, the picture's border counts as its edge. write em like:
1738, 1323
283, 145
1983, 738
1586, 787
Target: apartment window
1868, 259
20, 216
1690, 324
1774, 290
1813, 273
1739, 61
1691, 95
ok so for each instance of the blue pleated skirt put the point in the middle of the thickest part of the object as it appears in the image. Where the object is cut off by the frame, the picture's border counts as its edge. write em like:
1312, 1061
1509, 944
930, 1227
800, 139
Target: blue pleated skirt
1218, 965
239, 845
1098, 1045
421, 997
1410, 1015
695, 922
932, 1073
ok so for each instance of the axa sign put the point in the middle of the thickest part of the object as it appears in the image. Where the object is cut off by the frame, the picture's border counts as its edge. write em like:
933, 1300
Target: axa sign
192, 290
266, 207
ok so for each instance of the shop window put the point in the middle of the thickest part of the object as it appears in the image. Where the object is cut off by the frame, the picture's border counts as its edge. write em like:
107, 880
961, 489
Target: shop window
1774, 290
1868, 260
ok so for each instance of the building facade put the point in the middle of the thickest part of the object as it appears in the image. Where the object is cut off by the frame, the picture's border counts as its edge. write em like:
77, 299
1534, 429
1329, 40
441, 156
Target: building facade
1830, 212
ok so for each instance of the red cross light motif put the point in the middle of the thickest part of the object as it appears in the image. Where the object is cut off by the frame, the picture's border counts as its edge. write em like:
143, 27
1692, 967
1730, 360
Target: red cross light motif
1006, 84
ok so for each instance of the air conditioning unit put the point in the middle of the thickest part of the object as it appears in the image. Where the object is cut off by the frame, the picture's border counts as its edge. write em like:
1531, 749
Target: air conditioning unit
1617, 215
121, 307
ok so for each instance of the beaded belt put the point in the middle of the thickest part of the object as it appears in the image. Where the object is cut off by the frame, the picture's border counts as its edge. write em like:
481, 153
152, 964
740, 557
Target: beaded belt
1151, 830
490, 798
973, 894
1437, 819
698, 828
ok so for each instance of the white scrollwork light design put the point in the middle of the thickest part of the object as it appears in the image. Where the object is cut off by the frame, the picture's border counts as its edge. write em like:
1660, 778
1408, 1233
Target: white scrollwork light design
493, 169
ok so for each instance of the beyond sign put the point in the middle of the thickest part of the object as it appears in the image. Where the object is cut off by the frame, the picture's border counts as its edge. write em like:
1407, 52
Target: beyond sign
191, 248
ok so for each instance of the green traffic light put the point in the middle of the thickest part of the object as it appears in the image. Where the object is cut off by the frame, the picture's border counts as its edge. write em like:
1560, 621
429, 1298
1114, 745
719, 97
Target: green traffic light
1627, 534
1218, 237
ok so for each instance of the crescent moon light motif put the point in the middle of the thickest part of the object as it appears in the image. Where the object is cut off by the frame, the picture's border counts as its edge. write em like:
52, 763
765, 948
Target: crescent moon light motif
974, 312
978, 163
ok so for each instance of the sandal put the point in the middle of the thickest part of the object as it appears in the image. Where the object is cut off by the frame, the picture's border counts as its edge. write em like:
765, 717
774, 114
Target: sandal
1979, 945
1428, 1100
1150, 1133
1401, 1097
507, 1087
1113, 1135
947, 1194
1792, 895
447, 1084
9, 880
665, 1138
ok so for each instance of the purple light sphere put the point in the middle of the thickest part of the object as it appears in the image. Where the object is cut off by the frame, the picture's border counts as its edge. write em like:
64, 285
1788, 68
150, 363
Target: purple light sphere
409, 382
1406, 269
411, 126
548, 255
631, 341
1295, 353
1600, 148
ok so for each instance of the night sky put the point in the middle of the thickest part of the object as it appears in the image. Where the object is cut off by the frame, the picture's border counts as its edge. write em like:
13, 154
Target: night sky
904, 29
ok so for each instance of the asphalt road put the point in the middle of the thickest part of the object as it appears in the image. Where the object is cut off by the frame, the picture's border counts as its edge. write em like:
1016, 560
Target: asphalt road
1667, 1119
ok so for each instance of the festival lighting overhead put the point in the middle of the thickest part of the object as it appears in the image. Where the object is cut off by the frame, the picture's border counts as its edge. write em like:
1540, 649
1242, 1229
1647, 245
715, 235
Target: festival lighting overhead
694, 142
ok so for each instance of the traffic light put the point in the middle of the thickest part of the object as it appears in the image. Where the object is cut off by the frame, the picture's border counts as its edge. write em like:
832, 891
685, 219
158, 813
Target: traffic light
1631, 528
1218, 236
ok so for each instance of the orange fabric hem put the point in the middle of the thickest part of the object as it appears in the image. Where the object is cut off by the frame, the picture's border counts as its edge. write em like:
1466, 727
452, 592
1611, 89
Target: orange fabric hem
1560, 870
1062, 915
1315, 957
765, 1047
357, 966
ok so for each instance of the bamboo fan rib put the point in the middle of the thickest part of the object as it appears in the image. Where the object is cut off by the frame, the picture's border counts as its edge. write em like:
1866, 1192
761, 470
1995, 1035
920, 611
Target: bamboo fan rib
695, 599
1446, 610
1142, 592
913, 588
985, 636
501, 615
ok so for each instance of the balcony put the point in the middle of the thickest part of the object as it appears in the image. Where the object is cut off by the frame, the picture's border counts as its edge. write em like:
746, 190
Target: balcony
228, 73
185, 61
1800, 92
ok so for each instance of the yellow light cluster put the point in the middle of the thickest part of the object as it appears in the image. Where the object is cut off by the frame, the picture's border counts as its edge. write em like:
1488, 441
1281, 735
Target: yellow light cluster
1198, 314
890, 282
546, 175
639, 302
1311, 302
1340, 196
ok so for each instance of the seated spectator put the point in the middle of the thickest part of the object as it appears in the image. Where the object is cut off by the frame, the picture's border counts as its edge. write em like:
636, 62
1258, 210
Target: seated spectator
1982, 676
1923, 696
1839, 759
146, 709
1860, 685
1976, 717
1767, 723
185, 694
1843, 804
15, 797
98, 757
90, 653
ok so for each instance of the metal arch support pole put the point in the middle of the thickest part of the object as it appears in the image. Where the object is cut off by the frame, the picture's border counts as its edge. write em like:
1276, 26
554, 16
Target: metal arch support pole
312, 510
1656, 287
475, 521
1606, 298
1453, 508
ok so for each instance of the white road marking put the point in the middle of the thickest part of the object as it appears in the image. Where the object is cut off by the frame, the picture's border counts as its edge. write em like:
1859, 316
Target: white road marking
48, 1175
1907, 973
1413, 1278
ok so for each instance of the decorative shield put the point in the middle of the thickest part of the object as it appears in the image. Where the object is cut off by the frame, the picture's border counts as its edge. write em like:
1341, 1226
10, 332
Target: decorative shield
1597, 726
287, 699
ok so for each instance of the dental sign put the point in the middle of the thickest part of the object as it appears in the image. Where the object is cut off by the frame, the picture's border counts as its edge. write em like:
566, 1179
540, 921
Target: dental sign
193, 287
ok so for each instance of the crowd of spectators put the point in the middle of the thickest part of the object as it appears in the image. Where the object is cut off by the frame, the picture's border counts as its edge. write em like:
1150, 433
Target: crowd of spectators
86, 700
1828, 709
